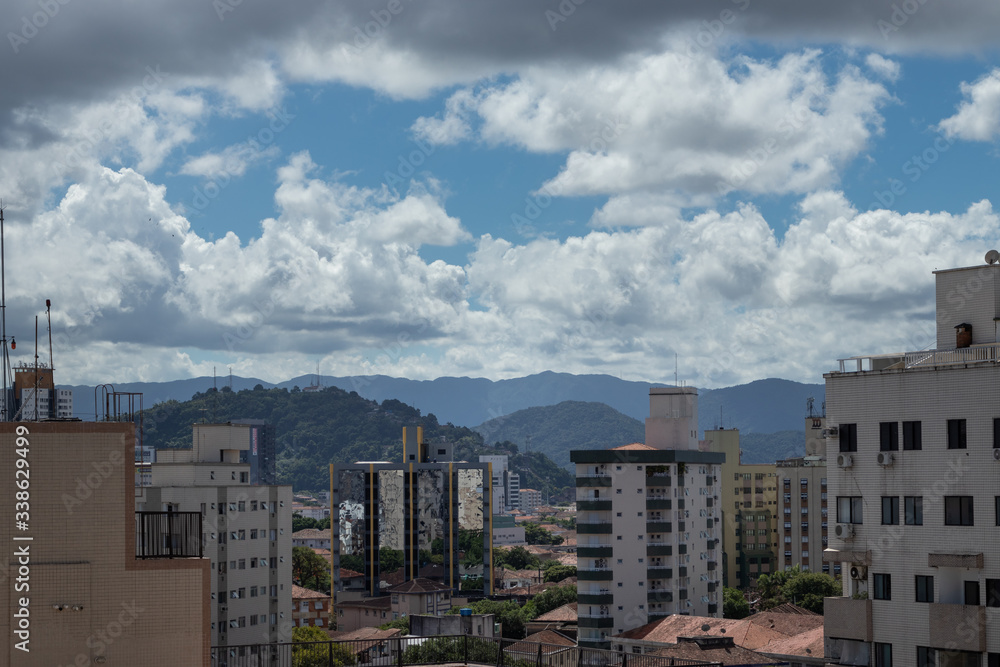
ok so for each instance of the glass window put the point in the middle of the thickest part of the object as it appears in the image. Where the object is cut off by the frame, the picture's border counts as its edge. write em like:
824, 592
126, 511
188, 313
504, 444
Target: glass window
883, 587
888, 436
925, 588
926, 657
972, 593
848, 437
883, 655
993, 592
849, 509
956, 434
890, 511
958, 511
911, 435
913, 507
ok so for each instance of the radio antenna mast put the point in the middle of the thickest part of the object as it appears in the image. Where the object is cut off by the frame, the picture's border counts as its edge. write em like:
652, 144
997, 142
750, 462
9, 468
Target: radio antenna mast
8, 381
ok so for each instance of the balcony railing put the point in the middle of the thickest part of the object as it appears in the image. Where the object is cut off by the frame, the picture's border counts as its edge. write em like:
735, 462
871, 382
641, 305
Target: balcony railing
463, 649
988, 353
168, 535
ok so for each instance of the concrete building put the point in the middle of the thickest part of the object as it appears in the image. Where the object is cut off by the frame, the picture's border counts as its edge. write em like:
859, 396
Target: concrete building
80, 588
312, 538
803, 516
530, 500
916, 436
247, 530
648, 540
506, 483
474, 625
36, 397
749, 507
420, 596
310, 607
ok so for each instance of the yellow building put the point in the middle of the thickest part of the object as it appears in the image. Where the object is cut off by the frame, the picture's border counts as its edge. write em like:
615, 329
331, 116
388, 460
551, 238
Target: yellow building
88, 580
749, 511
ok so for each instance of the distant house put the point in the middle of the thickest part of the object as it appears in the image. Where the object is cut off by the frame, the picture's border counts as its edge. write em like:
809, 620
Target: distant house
370, 644
719, 650
312, 538
366, 613
561, 619
546, 648
420, 596
310, 607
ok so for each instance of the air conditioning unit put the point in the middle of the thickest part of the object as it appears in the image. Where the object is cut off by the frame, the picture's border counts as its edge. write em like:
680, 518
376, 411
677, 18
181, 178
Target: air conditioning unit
885, 459
845, 460
831, 432
859, 573
844, 531
996, 454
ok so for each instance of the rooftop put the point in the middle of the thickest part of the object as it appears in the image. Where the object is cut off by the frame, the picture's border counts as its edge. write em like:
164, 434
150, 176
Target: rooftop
301, 593
563, 614
419, 585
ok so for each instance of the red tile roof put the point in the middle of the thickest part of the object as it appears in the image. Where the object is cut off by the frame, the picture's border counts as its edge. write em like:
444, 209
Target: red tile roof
419, 585
563, 614
808, 644
554, 641
300, 593
730, 655
635, 445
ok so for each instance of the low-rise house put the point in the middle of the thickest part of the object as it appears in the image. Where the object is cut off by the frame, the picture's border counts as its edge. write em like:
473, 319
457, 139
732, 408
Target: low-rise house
371, 644
312, 538
419, 596
561, 619
802, 650
719, 650
310, 607
546, 648
364, 613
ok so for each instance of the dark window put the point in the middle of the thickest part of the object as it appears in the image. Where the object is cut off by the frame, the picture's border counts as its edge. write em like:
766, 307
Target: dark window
996, 503
883, 587
996, 433
993, 592
883, 655
958, 511
926, 657
890, 511
911, 435
993, 660
848, 437
913, 507
888, 440
925, 588
972, 593
850, 509
956, 434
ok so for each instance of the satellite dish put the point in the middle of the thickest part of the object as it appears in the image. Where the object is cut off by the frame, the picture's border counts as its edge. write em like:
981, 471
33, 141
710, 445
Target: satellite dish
992, 257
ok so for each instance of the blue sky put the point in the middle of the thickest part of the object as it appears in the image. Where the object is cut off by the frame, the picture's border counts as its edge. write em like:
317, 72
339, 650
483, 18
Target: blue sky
482, 190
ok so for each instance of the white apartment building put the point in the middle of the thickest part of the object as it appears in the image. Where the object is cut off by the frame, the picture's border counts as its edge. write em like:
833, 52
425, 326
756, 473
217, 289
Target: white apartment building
914, 447
647, 525
246, 531
531, 499
803, 505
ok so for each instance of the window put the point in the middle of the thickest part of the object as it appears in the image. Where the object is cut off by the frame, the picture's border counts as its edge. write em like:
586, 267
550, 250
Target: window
849, 509
890, 511
848, 437
913, 507
888, 436
996, 433
911, 435
972, 593
883, 587
883, 655
996, 503
956, 434
958, 511
925, 588
926, 657
993, 592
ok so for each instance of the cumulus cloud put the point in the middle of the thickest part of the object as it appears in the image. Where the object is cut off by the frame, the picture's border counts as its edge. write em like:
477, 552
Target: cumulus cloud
978, 116
233, 161
885, 68
699, 124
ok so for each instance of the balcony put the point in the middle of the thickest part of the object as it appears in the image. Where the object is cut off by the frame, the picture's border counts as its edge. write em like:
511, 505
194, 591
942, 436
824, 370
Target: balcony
847, 618
658, 479
659, 572
593, 528
168, 535
658, 503
988, 353
602, 597
593, 480
960, 626
595, 574
593, 551
659, 596
655, 526
659, 549
595, 621
593, 505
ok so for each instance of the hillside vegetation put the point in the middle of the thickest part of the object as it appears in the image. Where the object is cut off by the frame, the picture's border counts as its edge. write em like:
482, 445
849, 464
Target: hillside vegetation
314, 429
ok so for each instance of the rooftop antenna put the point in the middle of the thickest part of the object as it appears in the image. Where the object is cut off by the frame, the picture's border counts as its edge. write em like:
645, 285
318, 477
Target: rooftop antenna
809, 406
35, 397
48, 316
675, 370
230, 378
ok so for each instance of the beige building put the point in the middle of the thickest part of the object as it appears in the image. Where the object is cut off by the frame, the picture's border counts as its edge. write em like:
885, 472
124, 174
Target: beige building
749, 509
310, 607
363, 613
803, 516
78, 588
531, 499
647, 525
914, 446
247, 532
420, 596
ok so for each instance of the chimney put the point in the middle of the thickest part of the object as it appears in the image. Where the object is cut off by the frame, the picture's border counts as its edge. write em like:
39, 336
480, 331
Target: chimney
963, 335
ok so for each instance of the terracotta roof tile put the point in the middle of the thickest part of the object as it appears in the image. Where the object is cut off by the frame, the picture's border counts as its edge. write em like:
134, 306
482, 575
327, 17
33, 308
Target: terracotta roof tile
300, 593
731, 655
563, 614
419, 585
807, 644
530, 643
633, 446
311, 534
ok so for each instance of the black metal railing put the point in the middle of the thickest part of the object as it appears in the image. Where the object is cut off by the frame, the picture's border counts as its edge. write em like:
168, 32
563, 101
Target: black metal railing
448, 649
168, 535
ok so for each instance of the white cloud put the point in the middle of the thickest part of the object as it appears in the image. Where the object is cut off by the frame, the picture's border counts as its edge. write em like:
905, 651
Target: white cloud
697, 124
232, 161
885, 68
978, 116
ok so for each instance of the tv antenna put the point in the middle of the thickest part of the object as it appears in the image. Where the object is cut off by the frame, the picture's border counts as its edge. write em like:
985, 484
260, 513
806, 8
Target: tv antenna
5, 370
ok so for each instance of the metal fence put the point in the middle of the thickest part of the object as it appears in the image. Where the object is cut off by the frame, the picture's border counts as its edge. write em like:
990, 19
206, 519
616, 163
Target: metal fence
450, 649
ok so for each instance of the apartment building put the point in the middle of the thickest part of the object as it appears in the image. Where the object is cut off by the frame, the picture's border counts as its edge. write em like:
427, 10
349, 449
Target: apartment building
506, 483
916, 441
80, 588
803, 514
648, 540
531, 499
310, 607
35, 395
748, 512
247, 531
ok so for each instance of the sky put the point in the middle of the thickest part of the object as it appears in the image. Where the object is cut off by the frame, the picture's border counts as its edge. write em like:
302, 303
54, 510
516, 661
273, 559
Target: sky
736, 189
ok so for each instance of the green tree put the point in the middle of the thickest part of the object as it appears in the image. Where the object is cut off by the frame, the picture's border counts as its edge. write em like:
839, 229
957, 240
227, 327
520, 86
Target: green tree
535, 534
305, 653
559, 572
389, 560
734, 604
809, 588
519, 558
352, 562
552, 598
309, 569
509, 613
400, 624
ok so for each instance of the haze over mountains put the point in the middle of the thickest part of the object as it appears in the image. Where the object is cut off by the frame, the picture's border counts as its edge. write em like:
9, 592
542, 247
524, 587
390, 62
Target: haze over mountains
763, 406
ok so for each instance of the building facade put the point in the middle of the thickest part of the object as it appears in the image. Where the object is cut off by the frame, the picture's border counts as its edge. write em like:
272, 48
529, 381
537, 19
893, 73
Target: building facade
803, 505
914, 446
530, 500
647, 530
80, 588
247, 531
748, 512
310, 607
